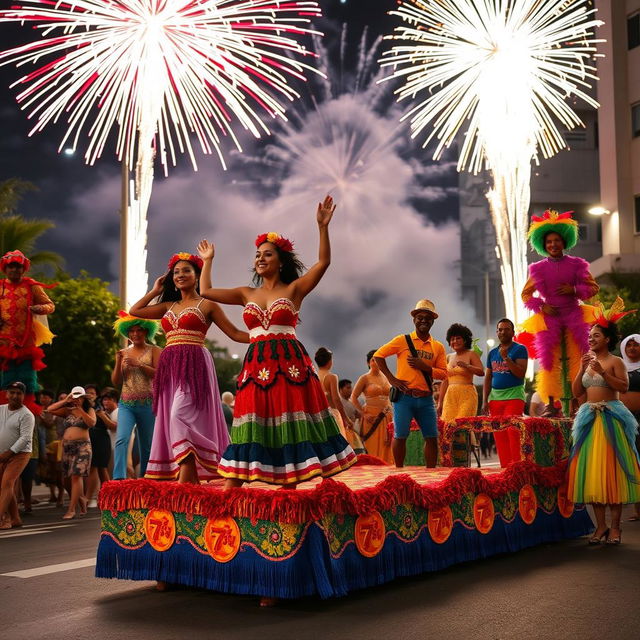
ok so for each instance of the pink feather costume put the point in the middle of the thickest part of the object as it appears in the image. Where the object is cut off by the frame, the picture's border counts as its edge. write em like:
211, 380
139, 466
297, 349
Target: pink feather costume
545, 276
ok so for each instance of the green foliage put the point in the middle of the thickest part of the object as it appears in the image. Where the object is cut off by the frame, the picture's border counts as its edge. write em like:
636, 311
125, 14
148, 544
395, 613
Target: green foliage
18, 233
84, 348
627, 286
227, 367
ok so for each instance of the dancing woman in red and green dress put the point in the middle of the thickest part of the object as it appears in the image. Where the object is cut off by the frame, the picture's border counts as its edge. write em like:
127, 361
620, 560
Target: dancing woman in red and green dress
283, 430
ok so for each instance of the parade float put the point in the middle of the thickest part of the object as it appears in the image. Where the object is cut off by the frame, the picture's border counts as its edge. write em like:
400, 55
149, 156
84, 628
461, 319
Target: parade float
369, 525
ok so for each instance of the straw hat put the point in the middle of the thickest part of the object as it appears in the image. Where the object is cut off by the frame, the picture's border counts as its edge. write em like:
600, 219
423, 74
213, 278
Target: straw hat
425, 305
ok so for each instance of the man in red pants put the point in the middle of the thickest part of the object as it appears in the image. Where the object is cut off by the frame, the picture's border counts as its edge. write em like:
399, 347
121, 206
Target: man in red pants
504, 389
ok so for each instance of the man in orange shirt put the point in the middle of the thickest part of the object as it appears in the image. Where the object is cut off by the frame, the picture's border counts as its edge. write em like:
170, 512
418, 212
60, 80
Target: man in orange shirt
414, 382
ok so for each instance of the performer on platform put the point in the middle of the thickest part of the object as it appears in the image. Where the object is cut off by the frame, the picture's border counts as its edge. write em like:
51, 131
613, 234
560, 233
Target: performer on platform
329, 382
604, 465
503, 391
190, 433
561, 323
22, 300
134, 369
414, 382
283, 430
377, 412
458, 394
630, 351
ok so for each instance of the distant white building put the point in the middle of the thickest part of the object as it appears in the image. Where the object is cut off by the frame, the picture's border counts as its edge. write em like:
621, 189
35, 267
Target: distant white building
619, 133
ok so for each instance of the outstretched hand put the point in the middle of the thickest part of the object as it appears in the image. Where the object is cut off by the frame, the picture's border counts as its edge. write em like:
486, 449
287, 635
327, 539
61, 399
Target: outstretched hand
325, 211
158, 286
206, 250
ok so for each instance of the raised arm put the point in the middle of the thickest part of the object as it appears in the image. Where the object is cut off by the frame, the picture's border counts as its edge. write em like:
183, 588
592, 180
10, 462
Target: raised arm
144, 309
225, 325
206, 251
308, 282
238, 296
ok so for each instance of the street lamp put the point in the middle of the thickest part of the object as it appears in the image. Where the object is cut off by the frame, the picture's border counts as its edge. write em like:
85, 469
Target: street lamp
599, 211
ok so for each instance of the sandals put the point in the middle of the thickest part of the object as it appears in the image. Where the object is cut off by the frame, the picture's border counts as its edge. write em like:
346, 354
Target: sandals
594, 539
615, 540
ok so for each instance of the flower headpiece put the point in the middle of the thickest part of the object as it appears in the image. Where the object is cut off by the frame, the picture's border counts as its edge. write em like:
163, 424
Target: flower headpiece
605, 317
552, 222
15, 256
183, 255
125, 321
275, 238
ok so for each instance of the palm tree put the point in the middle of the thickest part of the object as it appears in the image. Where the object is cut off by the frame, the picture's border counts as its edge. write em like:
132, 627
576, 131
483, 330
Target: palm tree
18, 233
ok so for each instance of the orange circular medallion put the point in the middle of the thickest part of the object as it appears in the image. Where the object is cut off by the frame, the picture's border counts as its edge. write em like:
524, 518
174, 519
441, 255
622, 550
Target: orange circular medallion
160, 529
222, 537
483, 513
527, 504
370, 532
440, 523
565, 506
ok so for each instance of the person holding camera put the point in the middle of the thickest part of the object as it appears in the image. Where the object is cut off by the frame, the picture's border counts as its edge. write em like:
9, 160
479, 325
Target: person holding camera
79, 416
420, 360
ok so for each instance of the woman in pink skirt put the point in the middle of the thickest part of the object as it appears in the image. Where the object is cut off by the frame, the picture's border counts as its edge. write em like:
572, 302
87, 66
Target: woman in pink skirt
190, 432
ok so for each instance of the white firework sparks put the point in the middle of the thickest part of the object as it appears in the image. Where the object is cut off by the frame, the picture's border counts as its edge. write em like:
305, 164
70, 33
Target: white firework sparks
504, 68
161, 72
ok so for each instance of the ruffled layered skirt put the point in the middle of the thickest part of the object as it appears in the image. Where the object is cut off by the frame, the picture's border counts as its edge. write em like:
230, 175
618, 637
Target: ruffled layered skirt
189, 417
604, 465
283, 430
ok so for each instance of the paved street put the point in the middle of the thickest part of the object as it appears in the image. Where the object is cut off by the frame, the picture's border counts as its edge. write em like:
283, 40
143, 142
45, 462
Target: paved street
564, 590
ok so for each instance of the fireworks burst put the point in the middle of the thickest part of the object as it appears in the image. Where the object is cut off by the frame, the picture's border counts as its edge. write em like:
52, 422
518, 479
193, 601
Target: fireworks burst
161, 71
505, 68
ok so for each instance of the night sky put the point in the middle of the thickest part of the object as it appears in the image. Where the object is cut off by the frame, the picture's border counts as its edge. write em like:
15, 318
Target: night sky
395, 236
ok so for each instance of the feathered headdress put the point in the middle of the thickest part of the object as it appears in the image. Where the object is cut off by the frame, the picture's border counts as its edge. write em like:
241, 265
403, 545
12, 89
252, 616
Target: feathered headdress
15, 256
125, 321
552, 222
275, 238
605, 317
183, 255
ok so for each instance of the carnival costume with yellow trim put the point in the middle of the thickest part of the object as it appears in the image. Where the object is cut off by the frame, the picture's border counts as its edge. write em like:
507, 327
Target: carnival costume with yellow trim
558, 340
604, 463
22, 330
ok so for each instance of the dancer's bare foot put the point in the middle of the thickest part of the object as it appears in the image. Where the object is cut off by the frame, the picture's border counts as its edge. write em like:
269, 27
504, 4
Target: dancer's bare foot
83, 505
70, 515
268, 602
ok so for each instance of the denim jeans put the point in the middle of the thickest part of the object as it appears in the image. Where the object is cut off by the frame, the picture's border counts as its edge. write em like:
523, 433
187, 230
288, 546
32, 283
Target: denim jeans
130, 416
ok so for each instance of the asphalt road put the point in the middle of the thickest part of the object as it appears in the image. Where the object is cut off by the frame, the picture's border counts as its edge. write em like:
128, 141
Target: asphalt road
562, 590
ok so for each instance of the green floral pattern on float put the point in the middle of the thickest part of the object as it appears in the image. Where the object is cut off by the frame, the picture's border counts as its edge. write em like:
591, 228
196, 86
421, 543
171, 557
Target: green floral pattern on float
126, 527
405, 520
272, 539
339, 530
507, 506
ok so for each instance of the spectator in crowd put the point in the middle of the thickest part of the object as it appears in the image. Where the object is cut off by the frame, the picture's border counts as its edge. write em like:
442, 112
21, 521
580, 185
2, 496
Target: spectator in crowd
414, 382
79, 416
630, 351
100, 446
17, 425
228, 401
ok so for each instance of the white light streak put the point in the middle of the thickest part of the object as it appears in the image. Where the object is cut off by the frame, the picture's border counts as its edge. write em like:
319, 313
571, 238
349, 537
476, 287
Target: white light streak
504, 70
